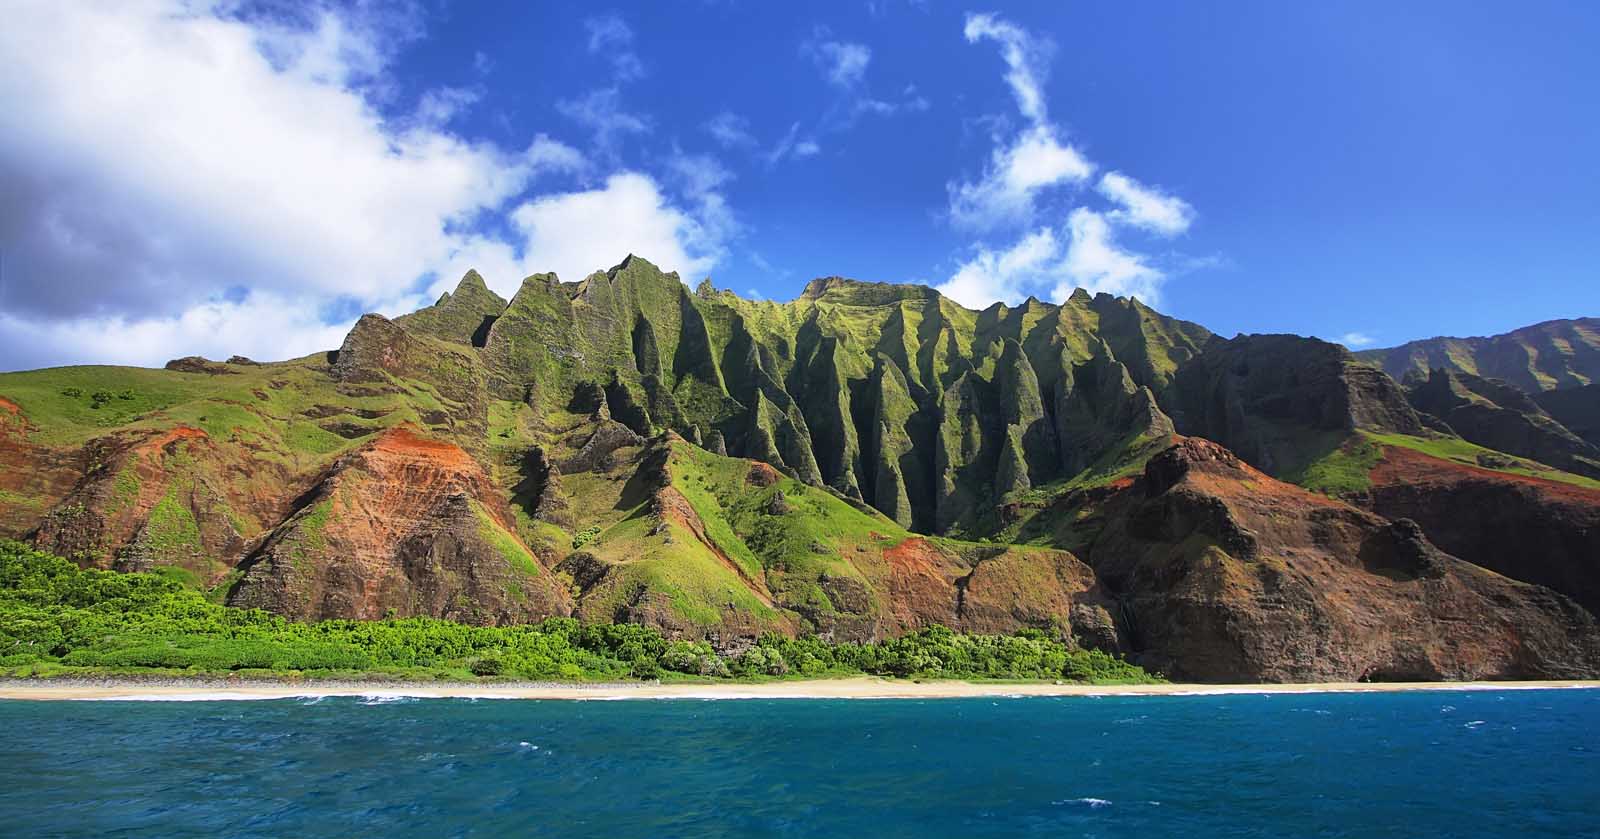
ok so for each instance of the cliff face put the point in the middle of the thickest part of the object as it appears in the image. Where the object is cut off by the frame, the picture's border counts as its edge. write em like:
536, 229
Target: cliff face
1527, 528
861, 461
1223, 572
1270, 397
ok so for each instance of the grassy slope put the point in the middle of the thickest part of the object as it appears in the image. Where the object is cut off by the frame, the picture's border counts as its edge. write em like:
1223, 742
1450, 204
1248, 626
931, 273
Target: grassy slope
1344, 464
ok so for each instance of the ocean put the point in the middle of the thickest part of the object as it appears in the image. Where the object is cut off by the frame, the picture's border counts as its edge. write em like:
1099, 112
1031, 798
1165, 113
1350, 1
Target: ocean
1419, 764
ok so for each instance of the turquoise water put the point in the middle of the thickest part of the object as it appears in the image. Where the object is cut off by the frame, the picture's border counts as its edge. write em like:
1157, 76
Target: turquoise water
1495, 763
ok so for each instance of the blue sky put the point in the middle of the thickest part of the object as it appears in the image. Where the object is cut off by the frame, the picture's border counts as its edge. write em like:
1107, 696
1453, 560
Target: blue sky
220, 177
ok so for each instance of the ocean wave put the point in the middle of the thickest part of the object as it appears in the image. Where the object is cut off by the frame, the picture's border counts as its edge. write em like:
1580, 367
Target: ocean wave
1091, 803
385, 698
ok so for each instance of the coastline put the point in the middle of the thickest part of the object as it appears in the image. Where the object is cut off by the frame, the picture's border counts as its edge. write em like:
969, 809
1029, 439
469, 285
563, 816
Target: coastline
858, 687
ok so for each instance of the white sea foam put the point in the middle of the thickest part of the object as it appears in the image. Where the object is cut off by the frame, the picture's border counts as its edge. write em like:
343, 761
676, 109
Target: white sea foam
1091, 803
386, 698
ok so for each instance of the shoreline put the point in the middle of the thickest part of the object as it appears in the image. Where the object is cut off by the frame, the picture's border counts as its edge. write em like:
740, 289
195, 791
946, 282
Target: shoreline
857, 687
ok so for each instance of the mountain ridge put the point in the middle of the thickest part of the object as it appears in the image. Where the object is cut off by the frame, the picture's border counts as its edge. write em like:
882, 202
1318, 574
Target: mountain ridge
858, 462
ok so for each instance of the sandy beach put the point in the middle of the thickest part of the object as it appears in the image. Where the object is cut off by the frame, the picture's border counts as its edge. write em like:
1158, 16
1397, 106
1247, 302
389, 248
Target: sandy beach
850, 688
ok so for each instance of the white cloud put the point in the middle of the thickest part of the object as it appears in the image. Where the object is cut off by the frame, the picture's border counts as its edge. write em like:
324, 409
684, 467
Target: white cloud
730, 130
1146, 207
1027, 60
182, 178
264, 327
990, 276
1355, 340
439, 106
1035, 159
1016, 174
1095, 263
790, 145
600, 110
912, 103
610, 36
1085, 255
577, 233
842, 63
1021, 172
156, 153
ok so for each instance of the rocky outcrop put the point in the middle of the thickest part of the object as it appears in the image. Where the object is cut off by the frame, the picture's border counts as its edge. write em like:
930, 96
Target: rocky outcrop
1268, 397
405, 525
460, 317
197, 364
1222, 573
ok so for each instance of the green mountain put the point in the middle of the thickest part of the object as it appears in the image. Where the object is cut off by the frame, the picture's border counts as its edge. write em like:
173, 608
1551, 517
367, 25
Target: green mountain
1554, 355
858, 463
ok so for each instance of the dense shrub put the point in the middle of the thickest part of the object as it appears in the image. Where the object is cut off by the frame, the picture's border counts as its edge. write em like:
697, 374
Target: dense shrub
52, 611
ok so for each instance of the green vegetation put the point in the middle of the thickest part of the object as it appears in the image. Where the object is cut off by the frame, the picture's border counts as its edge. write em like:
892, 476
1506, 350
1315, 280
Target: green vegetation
56, 619
1460, 451
1343, 467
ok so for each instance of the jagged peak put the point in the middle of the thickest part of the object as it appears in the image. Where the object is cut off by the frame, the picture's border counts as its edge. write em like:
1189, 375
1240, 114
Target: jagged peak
633, 263
535, 284
471, 281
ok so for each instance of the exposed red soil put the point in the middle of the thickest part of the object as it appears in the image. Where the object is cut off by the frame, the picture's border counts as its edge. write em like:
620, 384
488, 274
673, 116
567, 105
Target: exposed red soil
761, 474
1407, 466
402, 535
921, 584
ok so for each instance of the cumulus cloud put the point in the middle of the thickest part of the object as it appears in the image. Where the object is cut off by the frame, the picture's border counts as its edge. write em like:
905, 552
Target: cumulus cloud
152, 158
265, 326
1085, 254
1356, 340
182, 177
1001, 276
576, 233
1146, 207
1095, 262
1017, 173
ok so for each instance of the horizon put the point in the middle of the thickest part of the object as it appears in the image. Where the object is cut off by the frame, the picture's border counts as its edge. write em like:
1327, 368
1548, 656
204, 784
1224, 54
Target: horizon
251, 177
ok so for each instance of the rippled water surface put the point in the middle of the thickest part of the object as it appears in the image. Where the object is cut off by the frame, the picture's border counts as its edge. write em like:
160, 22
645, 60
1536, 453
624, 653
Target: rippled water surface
1495, 763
